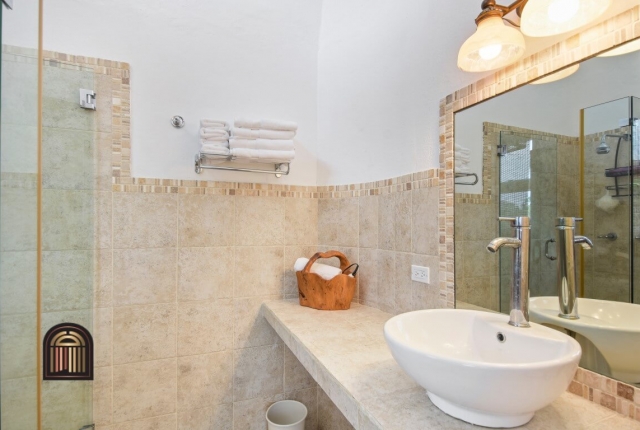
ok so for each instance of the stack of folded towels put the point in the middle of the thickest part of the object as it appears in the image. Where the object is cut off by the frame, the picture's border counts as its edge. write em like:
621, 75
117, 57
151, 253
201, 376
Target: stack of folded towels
263, 141
463, 158
214, 137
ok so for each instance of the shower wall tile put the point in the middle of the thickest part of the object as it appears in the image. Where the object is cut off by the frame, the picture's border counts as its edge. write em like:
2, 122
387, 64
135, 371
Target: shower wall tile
424, 215
144, 220
403, 221
368, 221
144, 390
18, 219
338, 222
205, 327
250, 329
18, 402
17, 350
215, 417
205, 381
260, 222
18, 280
19, 93
102, 401
71, 288
205, 220
58, 113
104, 102
205, 273
250, 414
143, 333
56, 398
103, 336
301, 222
258, 372
164, 422
259, 271
144, 276
18, 153
386, 222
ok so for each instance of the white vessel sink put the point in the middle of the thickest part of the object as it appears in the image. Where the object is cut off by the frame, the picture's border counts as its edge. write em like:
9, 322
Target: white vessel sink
613, 327
469, 373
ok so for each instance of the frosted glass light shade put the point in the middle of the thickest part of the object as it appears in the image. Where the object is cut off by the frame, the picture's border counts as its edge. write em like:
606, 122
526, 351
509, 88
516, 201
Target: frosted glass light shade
492, 46
627, 48
541, 18
558, 75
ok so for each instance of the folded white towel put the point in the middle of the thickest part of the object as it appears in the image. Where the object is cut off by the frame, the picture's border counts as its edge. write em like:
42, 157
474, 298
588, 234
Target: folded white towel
462, 160
462, 169
323, 270
247, 133
275, 145
263, 155
460, 148
210, 132
215, 149
214, 123
266, 124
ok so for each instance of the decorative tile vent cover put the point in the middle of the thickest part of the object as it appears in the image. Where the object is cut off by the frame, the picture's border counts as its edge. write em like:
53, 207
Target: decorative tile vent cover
68, 353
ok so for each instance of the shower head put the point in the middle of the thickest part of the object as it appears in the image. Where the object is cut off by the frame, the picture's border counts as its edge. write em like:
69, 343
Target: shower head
603, 148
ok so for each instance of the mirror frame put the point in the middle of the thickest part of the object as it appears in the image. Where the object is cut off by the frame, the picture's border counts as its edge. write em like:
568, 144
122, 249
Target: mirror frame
587, 44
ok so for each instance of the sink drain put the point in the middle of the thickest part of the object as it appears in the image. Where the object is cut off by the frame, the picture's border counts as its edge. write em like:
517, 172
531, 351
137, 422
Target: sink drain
501, 337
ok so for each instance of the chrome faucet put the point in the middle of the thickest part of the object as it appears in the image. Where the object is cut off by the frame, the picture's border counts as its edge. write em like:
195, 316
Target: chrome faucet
566, 240
519, 312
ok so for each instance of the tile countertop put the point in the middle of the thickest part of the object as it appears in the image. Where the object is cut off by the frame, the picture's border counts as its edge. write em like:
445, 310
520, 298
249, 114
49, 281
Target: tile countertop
347, 355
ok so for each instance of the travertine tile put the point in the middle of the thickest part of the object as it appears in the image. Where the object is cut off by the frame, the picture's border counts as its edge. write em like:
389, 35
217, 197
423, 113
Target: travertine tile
258, 372
205, 380
18, 348
205, 273
368, 275
329, 416
102, 396
143, 220
259, 271
427, 296
56, 397
18, 219
164, 422
205, 220
144, 276
424, 215
18, 400
218, 417
402, 288
102, 336
250, 328
296, 376
143, 333
18, 280
250, 414
104, 102
76, 219
387, 222
386, 280
144, 390
259, 221
301, 222
71, 288
338, 222
368, 221
309, 398
205, 327
403, 221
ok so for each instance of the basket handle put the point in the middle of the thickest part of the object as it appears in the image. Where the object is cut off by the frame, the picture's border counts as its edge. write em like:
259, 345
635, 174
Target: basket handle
344, 261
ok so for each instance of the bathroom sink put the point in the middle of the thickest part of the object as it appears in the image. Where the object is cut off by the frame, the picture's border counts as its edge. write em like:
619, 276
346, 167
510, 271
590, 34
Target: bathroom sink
613, 327
478, 368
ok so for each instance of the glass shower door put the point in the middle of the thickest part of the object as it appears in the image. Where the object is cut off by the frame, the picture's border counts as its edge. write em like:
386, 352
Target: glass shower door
527, 187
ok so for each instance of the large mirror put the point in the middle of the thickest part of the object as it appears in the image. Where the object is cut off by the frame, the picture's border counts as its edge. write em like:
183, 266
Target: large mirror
565, 148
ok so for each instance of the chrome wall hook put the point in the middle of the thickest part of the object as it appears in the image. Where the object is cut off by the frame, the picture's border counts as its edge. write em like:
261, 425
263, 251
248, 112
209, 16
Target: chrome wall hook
177, 121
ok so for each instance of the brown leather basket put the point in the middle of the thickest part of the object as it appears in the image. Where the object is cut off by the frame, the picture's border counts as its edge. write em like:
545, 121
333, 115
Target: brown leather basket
335, 294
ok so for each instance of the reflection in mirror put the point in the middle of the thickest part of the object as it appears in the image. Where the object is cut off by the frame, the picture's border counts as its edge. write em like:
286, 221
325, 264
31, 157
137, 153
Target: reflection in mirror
568, 148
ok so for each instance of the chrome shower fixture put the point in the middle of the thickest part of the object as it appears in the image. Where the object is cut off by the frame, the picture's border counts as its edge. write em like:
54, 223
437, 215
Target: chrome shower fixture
603, 148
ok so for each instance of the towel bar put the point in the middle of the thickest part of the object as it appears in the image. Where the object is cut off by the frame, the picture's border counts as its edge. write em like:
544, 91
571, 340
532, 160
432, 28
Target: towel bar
465, 175
278, 170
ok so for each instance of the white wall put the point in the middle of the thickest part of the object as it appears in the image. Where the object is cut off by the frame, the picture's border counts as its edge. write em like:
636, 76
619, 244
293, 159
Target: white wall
554, 107
383, 67
205, 59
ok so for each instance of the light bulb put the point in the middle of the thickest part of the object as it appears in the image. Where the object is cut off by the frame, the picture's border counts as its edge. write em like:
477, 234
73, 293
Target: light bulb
490, 52
561, 11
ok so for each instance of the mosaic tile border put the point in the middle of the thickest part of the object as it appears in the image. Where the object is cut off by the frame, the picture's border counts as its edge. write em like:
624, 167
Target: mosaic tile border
615, 395
606, 35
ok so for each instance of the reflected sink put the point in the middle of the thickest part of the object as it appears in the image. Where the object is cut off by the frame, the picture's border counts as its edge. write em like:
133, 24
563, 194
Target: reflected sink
613, 327
478, 368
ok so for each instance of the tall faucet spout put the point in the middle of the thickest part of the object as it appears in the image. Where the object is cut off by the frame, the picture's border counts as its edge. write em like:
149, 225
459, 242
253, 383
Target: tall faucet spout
509, 242
583, 241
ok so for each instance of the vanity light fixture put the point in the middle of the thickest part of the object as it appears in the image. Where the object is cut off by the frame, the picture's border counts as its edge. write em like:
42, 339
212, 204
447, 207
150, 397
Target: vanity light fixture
495, 45
627, 48
557, 75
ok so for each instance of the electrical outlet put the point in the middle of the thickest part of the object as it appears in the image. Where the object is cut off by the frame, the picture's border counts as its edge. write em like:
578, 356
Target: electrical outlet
420, 274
